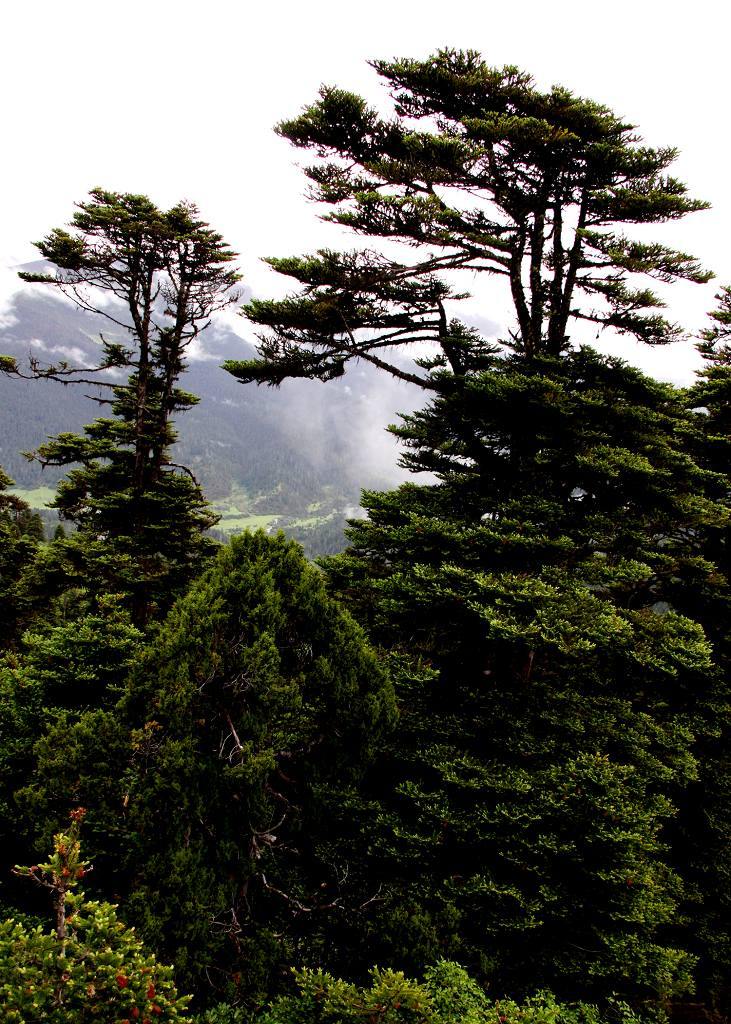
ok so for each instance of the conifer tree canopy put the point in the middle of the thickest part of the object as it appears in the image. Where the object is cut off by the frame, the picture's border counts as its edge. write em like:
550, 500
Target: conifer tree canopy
141, 517
479, 171
91, 967
552, 724
259, 703
554, 693
701, 843
20, 531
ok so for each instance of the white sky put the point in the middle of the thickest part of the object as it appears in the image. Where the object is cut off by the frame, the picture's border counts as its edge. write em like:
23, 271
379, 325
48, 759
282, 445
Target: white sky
176, 99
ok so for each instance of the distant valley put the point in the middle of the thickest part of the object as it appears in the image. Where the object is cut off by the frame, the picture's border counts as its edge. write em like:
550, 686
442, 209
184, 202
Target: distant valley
294, 458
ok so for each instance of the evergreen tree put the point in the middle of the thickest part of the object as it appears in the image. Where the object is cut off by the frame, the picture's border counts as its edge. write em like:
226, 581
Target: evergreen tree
542, 580
539, 756
477, 172
702, 845
20, 532
447, 995
140, 518
256, 706
62, 741
90, 967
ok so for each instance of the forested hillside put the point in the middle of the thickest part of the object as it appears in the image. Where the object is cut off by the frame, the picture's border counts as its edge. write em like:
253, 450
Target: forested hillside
296, 457
472, 769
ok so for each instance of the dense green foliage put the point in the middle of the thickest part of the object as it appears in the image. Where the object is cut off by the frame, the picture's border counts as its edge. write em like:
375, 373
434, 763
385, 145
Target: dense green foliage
140, 520
259, 703
702, 848
20, 532
540, 589
447, 995
539, 757
60, 741
495, 730
90, 968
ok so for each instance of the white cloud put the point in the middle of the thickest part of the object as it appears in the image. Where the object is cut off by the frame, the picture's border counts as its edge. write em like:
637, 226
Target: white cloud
71, 353
197, 352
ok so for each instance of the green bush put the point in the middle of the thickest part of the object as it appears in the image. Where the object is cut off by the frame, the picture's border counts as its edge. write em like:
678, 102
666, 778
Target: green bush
90, 968
447, 995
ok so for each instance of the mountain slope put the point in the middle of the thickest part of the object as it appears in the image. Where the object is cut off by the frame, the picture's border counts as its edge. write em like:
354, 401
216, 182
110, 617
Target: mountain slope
297, 455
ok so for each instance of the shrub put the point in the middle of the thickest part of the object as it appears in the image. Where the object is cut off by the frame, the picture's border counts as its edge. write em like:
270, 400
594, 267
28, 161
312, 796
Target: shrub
90, 968
447, 995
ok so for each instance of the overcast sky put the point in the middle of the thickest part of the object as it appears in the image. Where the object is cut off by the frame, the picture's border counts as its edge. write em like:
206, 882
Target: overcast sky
177, 99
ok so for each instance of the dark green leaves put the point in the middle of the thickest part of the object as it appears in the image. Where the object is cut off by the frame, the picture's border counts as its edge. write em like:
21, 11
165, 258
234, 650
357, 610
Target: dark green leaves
481, 171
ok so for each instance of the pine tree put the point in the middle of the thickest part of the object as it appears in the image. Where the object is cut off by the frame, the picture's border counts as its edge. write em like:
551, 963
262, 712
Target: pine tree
141, 519
701, 843
477, 172
555, 721
553, 726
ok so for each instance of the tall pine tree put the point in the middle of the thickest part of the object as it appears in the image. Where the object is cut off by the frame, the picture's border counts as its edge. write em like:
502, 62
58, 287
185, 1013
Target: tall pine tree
477, 172
553, 727
554, 724
701, 842
140, 518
